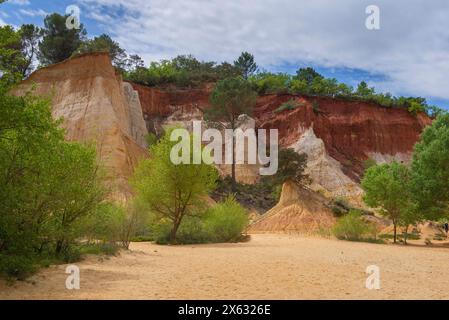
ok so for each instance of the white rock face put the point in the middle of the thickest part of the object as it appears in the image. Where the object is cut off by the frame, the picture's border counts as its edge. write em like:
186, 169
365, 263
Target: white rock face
245, 173
137, 123
324, 170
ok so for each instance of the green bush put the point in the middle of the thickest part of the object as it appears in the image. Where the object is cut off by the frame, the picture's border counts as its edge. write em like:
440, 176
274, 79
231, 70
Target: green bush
225, 222
340, 207
400, 236
352, 227
17, 267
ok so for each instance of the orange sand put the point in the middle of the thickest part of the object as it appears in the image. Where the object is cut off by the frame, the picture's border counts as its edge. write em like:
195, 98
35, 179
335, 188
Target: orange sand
267, 267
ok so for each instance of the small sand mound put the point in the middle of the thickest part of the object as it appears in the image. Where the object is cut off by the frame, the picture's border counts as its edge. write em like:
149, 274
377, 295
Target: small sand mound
299, 211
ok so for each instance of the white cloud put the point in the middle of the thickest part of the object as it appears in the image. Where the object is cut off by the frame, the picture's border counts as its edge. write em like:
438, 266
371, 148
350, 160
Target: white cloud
34, 13
411, 49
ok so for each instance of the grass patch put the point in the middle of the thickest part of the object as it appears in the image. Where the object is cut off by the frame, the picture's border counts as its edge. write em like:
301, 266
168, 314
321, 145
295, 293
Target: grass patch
291, 104
21, 267
143, 238
400, 236
353, 227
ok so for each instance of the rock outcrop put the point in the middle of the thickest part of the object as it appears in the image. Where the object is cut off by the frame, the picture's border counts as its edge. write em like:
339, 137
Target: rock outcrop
299, 211
96, 106
351, 131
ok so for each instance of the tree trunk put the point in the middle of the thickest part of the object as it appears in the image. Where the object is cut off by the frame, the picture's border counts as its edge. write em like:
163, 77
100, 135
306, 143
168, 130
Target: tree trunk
173, 232
405, 235
233, 181
394, 226
59, 246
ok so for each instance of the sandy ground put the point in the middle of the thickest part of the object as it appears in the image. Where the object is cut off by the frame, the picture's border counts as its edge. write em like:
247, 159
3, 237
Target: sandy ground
267, 267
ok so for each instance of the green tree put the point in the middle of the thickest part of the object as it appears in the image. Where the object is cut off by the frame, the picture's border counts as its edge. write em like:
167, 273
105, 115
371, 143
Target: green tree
231, 98
30, 35
104, 43
387, 186
59, 42
134, 62
270, 83
18, 50
227, 70
74, 191
364, 91
430, 169
11, 57
308, 75
246, 64
49, 186
290, 168
172, 191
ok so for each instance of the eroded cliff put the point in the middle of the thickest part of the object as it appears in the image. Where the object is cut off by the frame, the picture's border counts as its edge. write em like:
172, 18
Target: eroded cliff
337, 135
96, 106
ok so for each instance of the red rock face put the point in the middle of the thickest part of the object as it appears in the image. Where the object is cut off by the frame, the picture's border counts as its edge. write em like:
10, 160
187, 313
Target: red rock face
162, 103
350, 130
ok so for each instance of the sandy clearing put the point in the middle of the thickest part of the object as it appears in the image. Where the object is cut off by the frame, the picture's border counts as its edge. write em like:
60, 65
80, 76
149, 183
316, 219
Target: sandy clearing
267, 267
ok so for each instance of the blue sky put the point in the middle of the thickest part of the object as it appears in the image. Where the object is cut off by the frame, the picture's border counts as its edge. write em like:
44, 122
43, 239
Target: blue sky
409, 55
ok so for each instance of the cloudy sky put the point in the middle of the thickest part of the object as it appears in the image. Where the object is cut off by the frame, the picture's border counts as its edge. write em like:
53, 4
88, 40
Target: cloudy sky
409, 55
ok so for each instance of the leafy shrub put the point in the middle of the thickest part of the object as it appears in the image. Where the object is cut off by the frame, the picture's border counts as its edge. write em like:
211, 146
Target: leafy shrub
270, 83
18, 267
259, 195
224, 222
410, 236
352, 227
340, 207
142, 238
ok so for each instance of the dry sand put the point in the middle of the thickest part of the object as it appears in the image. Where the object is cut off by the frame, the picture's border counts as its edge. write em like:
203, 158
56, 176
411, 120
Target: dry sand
267, 267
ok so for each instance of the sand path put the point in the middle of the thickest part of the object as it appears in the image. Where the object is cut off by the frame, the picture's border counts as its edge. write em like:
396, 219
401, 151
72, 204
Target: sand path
267, 267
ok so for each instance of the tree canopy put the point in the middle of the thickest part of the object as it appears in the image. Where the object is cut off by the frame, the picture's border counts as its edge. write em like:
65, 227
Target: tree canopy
104, 43
246, 64
172, 191
59, 42
430, 169
387, 187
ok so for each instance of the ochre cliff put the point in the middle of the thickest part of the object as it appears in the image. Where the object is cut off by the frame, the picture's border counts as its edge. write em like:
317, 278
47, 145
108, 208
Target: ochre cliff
96, 106
338, 135
352, 131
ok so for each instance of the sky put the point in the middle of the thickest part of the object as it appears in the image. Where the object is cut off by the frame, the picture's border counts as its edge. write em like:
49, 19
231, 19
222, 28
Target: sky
408, 55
